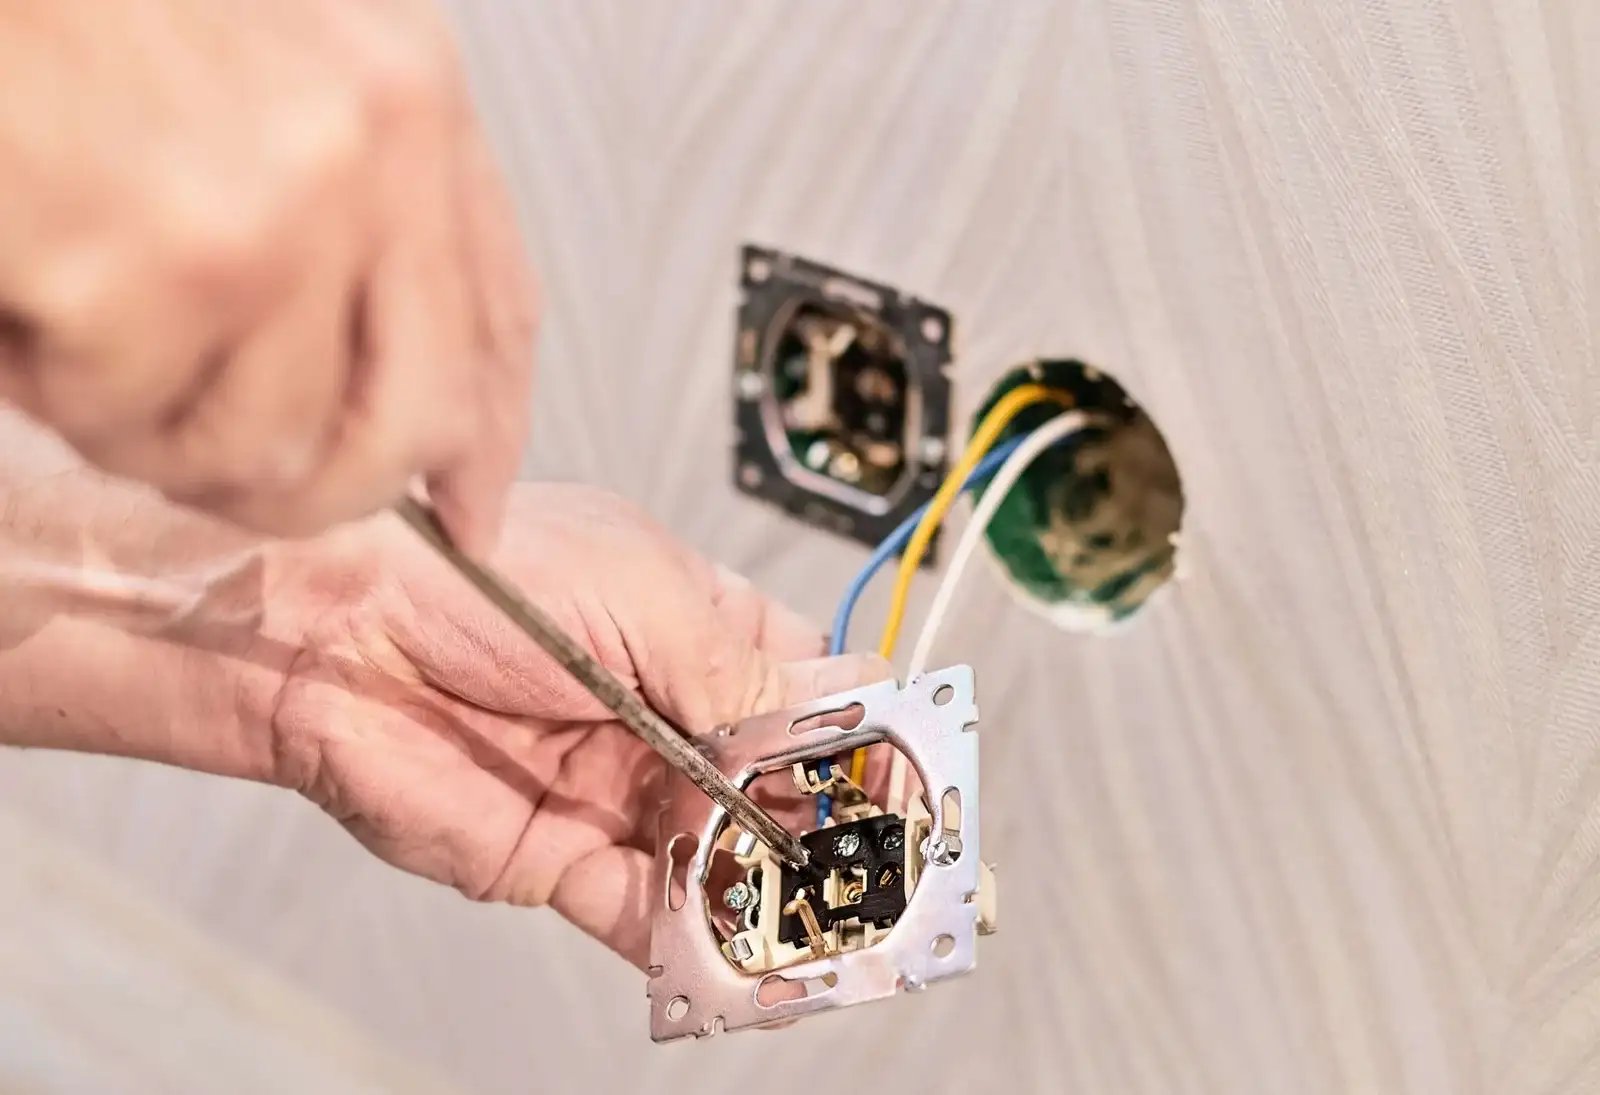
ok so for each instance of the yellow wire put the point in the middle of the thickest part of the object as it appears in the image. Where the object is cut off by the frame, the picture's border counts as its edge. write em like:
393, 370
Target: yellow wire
983, 439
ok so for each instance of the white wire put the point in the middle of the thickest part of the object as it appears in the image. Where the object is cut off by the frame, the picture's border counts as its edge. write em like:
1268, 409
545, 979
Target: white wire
1059, 427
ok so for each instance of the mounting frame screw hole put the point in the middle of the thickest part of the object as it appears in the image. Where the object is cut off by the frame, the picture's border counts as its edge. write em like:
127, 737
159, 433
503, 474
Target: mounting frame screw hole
843, 719
776, 988
680, 851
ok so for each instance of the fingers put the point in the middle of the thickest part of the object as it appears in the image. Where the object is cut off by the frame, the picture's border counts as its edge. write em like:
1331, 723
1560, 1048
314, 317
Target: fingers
252, 428
607, 895
723, 664
412, 403
702, 646
469, 499
773, 627
598, 789
807, 680
189, 241
387, 419
245, 438
309, 290
395, 419
469, 494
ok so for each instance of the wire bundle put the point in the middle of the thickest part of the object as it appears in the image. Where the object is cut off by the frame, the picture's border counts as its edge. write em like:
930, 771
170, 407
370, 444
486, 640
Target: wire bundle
982, 459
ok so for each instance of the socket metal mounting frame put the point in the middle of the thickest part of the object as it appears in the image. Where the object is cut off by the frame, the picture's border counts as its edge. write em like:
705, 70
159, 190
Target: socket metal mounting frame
695, 991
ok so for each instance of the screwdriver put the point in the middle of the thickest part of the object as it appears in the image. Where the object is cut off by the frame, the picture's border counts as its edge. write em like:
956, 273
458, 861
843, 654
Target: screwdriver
648, 726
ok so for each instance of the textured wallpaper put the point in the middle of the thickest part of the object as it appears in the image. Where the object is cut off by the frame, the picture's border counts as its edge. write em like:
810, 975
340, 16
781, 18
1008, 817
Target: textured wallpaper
1325, 815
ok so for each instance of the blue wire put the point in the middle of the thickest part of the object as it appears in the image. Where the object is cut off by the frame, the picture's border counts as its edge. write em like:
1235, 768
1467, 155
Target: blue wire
824, 808
893, 545
896, 542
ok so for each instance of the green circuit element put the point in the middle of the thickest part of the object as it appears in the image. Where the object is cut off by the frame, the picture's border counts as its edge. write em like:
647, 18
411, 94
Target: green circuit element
1093, 521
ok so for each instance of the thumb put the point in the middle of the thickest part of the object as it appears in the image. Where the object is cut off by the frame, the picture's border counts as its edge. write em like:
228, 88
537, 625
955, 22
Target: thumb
815, 677
699, 689
470, 501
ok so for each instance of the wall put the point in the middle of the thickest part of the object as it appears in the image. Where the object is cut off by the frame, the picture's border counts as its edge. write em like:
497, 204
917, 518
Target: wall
1324, 816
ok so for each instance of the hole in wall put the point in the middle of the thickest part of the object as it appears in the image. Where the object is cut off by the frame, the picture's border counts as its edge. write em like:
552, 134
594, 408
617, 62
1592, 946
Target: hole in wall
1091, 529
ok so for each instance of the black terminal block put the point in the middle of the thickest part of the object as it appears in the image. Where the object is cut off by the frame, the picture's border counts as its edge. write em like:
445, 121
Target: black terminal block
873, 845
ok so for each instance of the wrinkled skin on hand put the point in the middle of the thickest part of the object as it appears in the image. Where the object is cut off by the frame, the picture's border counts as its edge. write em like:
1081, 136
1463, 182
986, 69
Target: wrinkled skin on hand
258, 255
450, 746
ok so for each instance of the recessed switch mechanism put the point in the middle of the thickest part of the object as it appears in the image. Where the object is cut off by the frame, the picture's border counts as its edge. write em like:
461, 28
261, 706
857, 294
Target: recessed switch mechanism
841, 395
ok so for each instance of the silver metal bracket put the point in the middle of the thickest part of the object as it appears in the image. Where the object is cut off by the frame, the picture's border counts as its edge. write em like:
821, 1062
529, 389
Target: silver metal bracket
695, 990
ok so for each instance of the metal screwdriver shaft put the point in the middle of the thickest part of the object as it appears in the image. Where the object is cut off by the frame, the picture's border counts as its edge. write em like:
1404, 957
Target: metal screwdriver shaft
650, 727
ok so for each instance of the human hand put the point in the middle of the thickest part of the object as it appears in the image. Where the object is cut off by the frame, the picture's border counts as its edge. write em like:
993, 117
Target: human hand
257, 255
453, 748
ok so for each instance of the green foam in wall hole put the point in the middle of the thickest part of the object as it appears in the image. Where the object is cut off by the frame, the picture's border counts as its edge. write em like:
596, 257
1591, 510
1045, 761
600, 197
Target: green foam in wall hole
1090, 529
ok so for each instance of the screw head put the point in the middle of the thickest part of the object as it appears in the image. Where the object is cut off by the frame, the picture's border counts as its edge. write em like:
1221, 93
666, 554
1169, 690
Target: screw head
894, 840
739, 896
939, 851
847, 844
931, 450
751, 384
